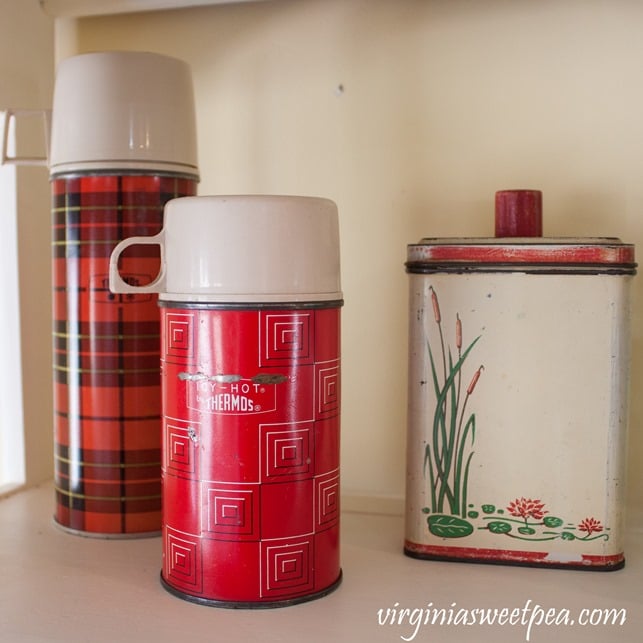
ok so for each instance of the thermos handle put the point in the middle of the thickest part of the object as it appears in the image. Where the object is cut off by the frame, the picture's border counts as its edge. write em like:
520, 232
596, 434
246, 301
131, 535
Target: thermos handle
12, 114
117, 284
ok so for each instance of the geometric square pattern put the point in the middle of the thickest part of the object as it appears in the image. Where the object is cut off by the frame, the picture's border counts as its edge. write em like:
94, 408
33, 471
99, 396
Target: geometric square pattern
179, 334
286, 452
231, 511
328, 390
287, 339
326, 500
262, 493
287, 566
183, 560
180, 453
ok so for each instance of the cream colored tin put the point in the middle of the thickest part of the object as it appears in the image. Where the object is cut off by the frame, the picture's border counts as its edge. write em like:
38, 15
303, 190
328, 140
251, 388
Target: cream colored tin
517, 409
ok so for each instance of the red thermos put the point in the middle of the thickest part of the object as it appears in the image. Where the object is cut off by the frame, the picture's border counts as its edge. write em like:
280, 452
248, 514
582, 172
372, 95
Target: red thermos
250, 352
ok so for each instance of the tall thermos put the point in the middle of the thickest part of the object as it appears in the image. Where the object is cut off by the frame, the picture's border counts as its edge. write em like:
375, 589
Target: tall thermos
123, 142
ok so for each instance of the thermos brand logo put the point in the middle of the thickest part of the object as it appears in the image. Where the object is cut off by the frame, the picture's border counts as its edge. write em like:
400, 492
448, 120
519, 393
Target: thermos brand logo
211, 395
100, 293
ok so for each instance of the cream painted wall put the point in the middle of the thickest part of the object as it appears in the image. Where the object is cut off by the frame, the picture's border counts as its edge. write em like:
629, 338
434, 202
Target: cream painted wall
410, 114
26, 81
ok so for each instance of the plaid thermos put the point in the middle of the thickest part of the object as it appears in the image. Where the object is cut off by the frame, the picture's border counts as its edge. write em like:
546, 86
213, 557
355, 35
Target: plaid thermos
123, 144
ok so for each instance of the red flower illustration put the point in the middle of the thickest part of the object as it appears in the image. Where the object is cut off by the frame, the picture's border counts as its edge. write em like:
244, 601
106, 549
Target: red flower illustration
590, 525
527, 508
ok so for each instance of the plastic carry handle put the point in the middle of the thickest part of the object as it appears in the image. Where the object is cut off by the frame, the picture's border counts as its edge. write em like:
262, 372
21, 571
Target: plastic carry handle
13, 114
117, 284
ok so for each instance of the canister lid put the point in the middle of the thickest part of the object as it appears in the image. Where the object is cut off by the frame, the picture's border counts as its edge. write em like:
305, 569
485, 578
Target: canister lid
123, 110
518, 246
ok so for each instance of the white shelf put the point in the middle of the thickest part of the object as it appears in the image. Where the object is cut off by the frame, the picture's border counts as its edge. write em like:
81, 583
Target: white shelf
58, 587
83, 8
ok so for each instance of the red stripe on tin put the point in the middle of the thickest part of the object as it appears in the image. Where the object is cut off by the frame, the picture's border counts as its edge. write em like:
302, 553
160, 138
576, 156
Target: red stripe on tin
487, 555
580, 252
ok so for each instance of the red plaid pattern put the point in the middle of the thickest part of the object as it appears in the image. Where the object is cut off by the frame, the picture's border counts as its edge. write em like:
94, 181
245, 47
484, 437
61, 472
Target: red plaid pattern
107, 438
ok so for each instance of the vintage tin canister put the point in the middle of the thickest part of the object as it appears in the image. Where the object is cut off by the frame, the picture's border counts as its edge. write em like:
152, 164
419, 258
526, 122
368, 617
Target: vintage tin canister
250, 352
517, 407
123, 143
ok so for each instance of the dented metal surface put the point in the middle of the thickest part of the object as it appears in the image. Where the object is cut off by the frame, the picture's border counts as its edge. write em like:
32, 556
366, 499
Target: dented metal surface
201, 377
260, 378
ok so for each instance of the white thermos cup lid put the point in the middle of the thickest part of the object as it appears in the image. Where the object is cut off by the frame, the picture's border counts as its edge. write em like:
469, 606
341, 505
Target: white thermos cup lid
123, 110
242, 249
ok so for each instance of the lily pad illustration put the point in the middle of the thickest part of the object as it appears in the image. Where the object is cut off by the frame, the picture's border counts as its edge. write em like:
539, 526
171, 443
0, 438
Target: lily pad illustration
499, 527
527, 531
449, 526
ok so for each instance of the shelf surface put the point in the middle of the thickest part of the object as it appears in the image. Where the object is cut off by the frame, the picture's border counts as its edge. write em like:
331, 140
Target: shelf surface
84, 8
60, 587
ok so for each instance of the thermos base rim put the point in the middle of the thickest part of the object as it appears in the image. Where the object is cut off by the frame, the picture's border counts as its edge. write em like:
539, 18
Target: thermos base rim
211, 602
608, 567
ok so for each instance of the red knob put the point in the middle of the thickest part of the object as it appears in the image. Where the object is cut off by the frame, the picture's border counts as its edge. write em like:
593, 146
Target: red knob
519, 213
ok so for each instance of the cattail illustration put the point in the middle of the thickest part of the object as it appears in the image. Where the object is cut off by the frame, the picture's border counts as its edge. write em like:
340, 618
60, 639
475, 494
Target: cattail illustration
438, 321
436, 306
448, 451
474, 381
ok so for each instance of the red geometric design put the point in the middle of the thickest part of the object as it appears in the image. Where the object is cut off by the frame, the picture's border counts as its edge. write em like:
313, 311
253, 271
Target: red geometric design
327, 500
328, 390
287, 338
183, 560
262, 491
287, 451
231, 511
179, 335
287, 567
180, 455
